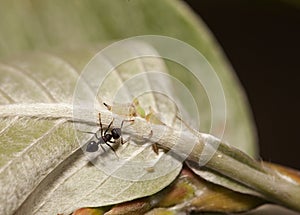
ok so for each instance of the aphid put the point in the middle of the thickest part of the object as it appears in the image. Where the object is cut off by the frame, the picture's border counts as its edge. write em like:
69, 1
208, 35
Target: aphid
106, 137
150, 169
122, 109
135, 109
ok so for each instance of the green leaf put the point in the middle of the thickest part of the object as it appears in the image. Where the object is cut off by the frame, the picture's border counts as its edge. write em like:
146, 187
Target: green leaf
222, 180
41, 25
40, 156
50, 168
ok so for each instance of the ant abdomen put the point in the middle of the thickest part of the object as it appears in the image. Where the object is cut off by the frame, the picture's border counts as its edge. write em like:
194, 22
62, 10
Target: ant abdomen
92, 146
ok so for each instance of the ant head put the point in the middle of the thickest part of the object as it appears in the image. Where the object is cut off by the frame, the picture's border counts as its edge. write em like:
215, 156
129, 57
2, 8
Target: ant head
92, 147
116, 133
107, 137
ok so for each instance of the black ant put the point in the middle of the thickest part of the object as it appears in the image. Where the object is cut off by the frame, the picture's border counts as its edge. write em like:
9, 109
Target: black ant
106, 138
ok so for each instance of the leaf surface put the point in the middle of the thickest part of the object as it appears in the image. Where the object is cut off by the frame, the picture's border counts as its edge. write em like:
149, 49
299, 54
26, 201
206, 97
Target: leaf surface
34, 26
42, 168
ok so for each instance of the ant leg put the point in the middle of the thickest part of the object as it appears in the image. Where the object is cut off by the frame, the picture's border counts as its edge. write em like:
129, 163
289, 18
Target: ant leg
112, 148
100, 123
126, 120
108, 126
101, 127
109, 107
89, 132
98, 138
102, 147
122, 123
155, 148
125, 141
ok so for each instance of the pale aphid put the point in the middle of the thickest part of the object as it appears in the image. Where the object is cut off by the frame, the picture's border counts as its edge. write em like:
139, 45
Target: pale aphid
135, 109
122, 109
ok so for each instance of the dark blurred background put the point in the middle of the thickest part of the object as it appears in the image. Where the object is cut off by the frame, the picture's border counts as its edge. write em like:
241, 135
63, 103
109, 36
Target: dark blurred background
261, 40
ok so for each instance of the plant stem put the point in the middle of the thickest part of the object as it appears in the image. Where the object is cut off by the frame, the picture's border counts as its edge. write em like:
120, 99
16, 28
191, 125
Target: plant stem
269, 183
251, 173
187, 144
